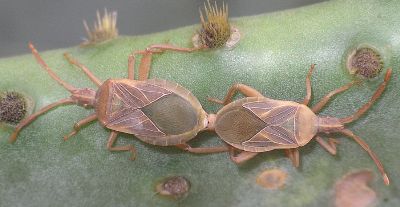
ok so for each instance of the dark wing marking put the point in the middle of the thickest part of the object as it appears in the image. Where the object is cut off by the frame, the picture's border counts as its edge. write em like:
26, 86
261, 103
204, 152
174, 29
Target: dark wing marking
133, 121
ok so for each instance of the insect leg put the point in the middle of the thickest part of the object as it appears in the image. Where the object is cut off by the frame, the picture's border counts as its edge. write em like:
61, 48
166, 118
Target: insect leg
131, 66
79, 124
308, 86
111, 141
244, 89
144, 66
242, 156
32, 117
326, 99
373, 99
41, 62
145, 62
202, 150
365, 146
294, 156
329, 146
164, 47
73, 61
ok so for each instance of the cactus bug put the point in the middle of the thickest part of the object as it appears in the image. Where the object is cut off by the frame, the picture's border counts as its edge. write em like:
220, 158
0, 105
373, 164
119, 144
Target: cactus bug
156, 111
258, 124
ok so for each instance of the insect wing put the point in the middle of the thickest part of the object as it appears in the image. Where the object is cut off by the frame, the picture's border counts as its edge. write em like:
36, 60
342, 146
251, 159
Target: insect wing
124, 113
279, 115
280, 124
133, 121
260, 140
137, 95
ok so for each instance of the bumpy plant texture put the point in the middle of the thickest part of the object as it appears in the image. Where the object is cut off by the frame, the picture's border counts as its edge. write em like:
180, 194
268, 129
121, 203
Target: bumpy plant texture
365, 62
12, 107
104, 29
353, 190
273, 56
173, 187
215, 29
272, 179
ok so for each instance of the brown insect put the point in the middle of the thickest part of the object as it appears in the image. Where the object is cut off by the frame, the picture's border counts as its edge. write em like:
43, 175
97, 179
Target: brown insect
156, 111
258, 124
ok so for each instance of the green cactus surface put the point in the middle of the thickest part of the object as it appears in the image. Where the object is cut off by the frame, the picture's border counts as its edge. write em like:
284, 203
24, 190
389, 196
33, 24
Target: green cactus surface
273, 56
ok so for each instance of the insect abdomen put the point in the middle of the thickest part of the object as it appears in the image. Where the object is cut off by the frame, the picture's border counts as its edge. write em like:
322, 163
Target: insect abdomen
238, 125
172, 114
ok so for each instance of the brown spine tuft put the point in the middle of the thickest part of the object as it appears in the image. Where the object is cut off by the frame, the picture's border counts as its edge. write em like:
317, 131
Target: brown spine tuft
215, 29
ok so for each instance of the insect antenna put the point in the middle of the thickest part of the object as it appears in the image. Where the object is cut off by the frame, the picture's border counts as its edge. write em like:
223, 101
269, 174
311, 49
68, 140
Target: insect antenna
373, 99
365, 146
41, 62
86, 70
